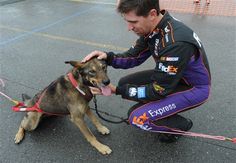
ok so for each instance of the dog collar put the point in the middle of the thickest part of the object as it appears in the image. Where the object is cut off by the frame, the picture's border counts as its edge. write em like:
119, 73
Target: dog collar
75, 83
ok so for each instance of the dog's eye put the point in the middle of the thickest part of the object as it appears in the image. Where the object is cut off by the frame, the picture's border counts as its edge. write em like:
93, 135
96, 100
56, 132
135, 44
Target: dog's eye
92, 73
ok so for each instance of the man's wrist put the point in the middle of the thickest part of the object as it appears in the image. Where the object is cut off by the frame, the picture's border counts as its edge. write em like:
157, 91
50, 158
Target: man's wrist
109, 58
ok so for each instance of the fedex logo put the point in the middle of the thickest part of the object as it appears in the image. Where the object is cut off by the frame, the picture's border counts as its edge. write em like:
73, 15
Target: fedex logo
171, 70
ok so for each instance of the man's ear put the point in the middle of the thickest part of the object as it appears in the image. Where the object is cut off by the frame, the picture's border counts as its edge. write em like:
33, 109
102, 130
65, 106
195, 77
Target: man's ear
76, 64
153, 13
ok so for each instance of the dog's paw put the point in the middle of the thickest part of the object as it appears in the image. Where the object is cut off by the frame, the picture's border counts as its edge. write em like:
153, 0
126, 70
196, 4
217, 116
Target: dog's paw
105, 150
19, 136
103, 130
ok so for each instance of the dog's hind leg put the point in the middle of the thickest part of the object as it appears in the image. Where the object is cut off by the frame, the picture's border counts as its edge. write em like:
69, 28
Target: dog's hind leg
101, 128
29, 123
79, 121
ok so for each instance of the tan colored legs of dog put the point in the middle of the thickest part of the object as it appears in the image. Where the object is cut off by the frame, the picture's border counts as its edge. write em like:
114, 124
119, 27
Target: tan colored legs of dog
102, 129
32, 119
29, 123
79, 121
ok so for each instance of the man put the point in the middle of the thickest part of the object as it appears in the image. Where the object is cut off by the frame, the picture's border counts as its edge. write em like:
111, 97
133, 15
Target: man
180, 79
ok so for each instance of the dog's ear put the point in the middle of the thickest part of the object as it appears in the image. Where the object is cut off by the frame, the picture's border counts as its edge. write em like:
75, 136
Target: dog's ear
76, 64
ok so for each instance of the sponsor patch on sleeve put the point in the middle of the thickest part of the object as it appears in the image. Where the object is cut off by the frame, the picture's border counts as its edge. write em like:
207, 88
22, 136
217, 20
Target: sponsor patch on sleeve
132, 92
158, 88
141, 92
170, 59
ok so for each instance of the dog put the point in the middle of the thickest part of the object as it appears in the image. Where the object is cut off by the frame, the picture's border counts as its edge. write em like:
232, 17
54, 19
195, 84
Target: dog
64, 97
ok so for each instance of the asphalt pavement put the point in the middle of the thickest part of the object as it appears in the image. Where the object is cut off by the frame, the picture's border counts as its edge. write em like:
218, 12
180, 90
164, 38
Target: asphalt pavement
36, 37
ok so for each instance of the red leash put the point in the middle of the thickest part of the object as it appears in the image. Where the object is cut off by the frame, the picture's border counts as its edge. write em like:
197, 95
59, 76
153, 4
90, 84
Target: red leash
20, 106
193, 134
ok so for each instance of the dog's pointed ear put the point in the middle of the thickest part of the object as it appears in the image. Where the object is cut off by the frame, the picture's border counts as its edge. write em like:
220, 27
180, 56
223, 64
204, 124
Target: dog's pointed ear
74, 63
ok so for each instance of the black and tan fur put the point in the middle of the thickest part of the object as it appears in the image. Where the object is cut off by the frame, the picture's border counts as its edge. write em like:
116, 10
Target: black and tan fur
61, 97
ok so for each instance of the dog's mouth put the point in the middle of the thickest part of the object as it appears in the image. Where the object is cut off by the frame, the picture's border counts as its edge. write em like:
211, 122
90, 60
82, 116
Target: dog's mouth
105, 89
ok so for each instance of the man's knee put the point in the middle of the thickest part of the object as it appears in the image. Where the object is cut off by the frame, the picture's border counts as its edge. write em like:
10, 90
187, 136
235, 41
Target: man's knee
133, 108
137, 116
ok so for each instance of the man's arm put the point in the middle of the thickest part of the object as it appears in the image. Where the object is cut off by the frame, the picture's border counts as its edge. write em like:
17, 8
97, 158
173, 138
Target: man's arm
169, 70
135, 56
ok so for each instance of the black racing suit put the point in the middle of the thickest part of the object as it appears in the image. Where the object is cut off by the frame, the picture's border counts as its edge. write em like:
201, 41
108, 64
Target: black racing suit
180, 61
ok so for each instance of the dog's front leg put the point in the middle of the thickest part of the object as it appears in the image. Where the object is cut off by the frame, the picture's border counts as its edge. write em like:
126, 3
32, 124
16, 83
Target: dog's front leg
101, 128
79, 121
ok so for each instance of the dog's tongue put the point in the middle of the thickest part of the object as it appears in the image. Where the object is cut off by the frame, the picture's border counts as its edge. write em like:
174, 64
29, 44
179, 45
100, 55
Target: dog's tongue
106, 91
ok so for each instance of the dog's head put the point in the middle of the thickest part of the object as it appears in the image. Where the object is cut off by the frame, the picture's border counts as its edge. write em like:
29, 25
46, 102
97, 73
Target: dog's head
93, 72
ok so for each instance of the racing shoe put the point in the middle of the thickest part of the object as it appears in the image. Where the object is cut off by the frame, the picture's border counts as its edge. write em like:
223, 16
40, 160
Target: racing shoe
177, 122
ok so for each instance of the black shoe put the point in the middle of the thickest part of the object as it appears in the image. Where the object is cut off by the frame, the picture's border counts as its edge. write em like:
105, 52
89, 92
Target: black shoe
168, 138
176, 122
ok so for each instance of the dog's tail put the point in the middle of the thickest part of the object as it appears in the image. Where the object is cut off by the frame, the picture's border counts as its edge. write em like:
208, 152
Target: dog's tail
25, 98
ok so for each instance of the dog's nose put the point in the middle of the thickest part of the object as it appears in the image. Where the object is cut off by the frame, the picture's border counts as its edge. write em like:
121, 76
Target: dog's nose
106, 82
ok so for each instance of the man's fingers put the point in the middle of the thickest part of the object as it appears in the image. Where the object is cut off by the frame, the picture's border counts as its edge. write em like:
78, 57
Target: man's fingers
88, 57
99, 54
112, 87
100, 57
95, 91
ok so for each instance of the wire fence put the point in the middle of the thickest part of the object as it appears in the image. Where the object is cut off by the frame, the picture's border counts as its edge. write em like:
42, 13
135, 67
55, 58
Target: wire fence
215, 8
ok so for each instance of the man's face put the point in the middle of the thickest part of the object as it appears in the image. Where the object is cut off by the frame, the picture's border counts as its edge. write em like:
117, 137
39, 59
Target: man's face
140, 25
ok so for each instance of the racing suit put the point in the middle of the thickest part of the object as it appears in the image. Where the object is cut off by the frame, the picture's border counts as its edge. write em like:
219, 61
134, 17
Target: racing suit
180, 80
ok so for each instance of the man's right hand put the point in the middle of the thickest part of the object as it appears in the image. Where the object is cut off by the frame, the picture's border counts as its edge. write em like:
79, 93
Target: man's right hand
99, 54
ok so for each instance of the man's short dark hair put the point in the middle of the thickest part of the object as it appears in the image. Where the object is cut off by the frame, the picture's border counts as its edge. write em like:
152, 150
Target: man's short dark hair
141, 7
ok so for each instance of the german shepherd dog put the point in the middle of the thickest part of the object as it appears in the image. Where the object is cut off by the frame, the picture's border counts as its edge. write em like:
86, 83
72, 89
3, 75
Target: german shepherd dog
62, 97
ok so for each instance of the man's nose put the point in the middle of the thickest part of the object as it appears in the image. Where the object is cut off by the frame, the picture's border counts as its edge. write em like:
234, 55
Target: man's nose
130, 27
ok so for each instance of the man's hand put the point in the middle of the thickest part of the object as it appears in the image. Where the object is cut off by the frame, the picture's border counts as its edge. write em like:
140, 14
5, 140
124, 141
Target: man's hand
95, 91
113, 88
99, 54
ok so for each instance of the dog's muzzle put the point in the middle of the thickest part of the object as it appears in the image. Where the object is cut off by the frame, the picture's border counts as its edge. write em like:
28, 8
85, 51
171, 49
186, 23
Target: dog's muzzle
106, 82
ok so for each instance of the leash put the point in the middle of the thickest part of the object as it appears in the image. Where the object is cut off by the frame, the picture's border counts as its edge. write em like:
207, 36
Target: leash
18, 104
174, 131
2, 83
193, 134
21, 107
122, 120
4, 95
9, 98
